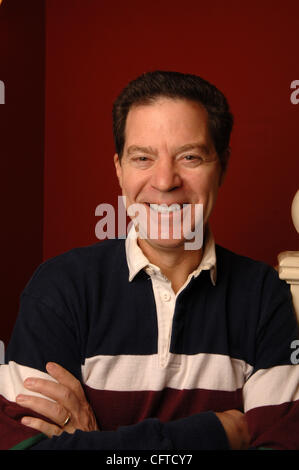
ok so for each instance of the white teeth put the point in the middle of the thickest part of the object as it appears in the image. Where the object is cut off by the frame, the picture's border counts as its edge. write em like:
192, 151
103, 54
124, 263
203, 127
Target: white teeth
164, 208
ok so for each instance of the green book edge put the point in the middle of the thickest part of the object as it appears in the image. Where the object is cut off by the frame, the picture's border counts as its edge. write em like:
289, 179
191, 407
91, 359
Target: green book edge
28, 442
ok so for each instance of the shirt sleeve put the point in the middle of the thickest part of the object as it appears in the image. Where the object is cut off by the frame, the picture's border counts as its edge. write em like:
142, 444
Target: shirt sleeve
271, 393
30, 348
202, 431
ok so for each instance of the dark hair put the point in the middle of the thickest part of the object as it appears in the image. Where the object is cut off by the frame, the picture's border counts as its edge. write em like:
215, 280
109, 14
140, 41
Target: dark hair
146, 88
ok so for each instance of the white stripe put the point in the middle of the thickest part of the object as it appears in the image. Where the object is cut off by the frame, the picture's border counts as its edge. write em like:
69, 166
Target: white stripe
12, 376
137, 373
273, 386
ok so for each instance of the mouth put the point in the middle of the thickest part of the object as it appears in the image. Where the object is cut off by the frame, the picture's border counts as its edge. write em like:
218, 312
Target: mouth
165, 208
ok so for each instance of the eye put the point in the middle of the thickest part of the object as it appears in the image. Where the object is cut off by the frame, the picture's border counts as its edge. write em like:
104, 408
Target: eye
189, 157
194, 159
141, 161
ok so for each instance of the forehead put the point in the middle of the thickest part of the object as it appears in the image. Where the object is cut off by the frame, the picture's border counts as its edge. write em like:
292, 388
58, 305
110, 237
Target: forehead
167, 120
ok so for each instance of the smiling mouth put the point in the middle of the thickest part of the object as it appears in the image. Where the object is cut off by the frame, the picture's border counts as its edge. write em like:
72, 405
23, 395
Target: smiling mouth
165, 208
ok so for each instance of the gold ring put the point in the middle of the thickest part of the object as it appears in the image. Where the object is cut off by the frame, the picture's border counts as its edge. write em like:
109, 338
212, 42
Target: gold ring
66, 421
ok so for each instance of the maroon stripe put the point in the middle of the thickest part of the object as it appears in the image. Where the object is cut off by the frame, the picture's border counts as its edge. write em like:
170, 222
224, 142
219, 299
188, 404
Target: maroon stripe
275, 426
12, 432
114, 409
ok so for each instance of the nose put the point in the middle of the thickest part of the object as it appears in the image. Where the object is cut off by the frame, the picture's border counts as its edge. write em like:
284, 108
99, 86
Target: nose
165, 176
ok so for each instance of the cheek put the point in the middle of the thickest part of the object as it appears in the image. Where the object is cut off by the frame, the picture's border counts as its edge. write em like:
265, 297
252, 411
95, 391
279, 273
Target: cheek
205, 187
211, 198
130, 187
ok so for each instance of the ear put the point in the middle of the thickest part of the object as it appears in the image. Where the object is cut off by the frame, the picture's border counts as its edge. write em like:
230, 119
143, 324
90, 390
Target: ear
118, 169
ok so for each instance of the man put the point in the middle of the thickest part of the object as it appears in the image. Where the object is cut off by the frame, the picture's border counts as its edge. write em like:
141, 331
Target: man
170, 346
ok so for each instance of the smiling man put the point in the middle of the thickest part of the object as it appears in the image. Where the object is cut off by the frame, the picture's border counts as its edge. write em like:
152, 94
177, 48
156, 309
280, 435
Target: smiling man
143, 343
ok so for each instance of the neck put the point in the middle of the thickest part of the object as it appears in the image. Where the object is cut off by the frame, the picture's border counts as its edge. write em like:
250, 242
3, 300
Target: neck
176, 264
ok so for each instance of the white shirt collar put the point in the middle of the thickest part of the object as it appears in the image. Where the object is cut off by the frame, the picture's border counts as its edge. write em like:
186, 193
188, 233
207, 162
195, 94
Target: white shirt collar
137, 260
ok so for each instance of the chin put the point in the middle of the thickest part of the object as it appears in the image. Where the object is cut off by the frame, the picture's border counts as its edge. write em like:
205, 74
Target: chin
164, 244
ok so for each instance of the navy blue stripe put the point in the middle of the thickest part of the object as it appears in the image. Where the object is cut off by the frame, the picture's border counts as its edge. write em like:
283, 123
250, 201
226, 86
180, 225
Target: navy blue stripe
81, 304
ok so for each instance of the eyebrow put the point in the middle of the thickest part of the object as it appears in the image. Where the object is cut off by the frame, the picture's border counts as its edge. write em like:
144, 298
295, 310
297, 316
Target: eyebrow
136, 148
195, 145
149, 150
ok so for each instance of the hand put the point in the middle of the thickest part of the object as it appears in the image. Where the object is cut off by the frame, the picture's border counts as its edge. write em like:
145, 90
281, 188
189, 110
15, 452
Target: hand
69, 402
235, 426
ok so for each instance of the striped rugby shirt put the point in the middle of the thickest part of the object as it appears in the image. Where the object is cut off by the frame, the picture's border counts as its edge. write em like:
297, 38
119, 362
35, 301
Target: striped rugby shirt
155, 366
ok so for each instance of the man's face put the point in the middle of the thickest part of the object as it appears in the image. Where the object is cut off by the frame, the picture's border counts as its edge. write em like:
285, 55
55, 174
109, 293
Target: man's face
169, 158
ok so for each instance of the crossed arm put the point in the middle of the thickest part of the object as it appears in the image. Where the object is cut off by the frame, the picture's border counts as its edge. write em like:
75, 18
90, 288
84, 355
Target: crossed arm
68, 403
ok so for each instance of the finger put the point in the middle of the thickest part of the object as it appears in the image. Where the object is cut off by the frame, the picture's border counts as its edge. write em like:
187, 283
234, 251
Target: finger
48, 429
67, 379
55, 391
52, 410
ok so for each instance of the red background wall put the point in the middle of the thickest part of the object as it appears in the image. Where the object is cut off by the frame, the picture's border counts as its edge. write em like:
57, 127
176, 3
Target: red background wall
22, 46
92, 49
249, 50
